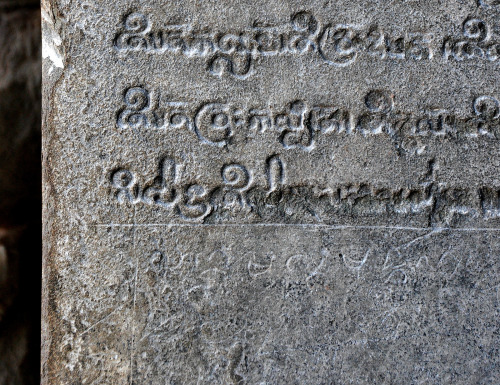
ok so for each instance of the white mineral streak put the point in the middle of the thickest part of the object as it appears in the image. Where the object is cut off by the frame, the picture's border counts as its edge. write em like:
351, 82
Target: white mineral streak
50, 44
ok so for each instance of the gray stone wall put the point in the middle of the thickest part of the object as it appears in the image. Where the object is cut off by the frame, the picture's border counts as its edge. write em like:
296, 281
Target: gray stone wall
271, 192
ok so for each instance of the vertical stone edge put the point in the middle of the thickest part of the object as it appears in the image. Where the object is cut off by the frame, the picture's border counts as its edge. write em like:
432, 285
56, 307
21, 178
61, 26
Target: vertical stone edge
52, 70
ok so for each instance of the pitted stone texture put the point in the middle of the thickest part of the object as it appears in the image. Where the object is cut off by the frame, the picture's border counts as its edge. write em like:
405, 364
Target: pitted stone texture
299, 192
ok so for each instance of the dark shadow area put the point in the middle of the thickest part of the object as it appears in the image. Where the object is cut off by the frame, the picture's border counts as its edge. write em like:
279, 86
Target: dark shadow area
20, 192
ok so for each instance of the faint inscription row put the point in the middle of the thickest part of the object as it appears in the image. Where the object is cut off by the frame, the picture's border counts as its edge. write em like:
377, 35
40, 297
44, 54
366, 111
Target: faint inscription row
389, 284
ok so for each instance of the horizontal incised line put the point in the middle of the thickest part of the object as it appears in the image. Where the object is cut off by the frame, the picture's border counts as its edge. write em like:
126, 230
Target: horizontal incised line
299, 225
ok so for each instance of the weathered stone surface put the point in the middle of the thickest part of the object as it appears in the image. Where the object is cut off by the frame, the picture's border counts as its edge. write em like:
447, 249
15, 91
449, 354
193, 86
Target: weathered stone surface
275, 193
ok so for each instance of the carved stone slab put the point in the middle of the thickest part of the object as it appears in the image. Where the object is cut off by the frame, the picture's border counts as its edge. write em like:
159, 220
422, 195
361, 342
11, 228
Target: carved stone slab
271, 192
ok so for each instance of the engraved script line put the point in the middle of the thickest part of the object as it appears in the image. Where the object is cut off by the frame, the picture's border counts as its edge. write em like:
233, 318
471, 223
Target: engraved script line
299, 225
340, 45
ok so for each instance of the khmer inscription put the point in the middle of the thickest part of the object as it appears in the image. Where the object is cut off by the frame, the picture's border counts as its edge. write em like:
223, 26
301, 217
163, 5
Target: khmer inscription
477, 43
339, 45
359, 290
236, 197
298, 124
274, 192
